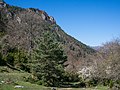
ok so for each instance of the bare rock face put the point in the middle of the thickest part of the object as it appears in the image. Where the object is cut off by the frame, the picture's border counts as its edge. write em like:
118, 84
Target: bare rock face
44, 15
2, 4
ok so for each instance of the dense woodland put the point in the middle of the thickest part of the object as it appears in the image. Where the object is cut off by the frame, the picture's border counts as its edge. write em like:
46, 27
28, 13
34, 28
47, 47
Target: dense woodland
33, 43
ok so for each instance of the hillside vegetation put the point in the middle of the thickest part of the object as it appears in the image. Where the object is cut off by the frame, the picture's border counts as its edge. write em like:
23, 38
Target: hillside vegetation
20, 28
33, 43
35, 51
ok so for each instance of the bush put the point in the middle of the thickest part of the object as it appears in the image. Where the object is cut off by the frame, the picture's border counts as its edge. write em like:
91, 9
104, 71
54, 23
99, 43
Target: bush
92, 83
2, 62
70, 77
111, 84
82, 84
40, 82
30, 79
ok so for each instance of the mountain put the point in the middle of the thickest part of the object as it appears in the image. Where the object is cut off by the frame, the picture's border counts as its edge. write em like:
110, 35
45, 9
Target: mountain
20, 27
97, 48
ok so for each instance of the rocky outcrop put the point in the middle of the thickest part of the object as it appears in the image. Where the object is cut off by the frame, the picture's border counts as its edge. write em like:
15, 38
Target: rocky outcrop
2, 4
43, 14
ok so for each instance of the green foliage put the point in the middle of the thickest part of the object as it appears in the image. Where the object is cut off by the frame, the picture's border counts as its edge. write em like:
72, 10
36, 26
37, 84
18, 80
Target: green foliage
92, 82
2, 27
71, 77
16, 58
50, 58
111, 84
2, 62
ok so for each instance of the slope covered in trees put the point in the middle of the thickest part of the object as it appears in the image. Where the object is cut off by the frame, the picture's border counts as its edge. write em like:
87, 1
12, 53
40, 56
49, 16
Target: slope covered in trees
31, 41
20, 28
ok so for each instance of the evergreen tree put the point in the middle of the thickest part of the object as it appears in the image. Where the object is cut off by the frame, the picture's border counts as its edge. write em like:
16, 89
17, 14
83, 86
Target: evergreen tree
49, 60
15, 58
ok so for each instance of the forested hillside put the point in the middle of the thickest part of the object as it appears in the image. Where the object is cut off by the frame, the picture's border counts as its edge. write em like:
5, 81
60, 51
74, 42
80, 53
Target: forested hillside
35, 48
21, 27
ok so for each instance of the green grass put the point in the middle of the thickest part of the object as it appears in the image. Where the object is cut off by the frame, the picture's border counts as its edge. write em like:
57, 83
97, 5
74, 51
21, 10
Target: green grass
29, 86
12, 76
94, 88
17, 79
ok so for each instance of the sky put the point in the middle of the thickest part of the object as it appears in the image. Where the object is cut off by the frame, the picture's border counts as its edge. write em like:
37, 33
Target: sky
92, 22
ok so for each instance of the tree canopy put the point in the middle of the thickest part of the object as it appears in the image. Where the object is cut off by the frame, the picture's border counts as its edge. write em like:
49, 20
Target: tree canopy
49, 60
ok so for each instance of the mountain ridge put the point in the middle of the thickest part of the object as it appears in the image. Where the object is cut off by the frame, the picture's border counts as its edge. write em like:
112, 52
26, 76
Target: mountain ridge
21, 26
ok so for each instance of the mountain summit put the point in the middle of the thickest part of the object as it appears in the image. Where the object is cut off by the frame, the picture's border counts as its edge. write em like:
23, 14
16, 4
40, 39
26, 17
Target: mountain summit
19, 27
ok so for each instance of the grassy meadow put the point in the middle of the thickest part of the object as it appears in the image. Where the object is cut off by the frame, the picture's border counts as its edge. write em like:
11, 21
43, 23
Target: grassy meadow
17, 78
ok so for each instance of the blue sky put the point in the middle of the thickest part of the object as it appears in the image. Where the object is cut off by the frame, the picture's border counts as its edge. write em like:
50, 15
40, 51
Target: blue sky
92, 22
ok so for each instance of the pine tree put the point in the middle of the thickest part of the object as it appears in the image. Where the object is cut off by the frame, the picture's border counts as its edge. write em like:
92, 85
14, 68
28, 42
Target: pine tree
49, 60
